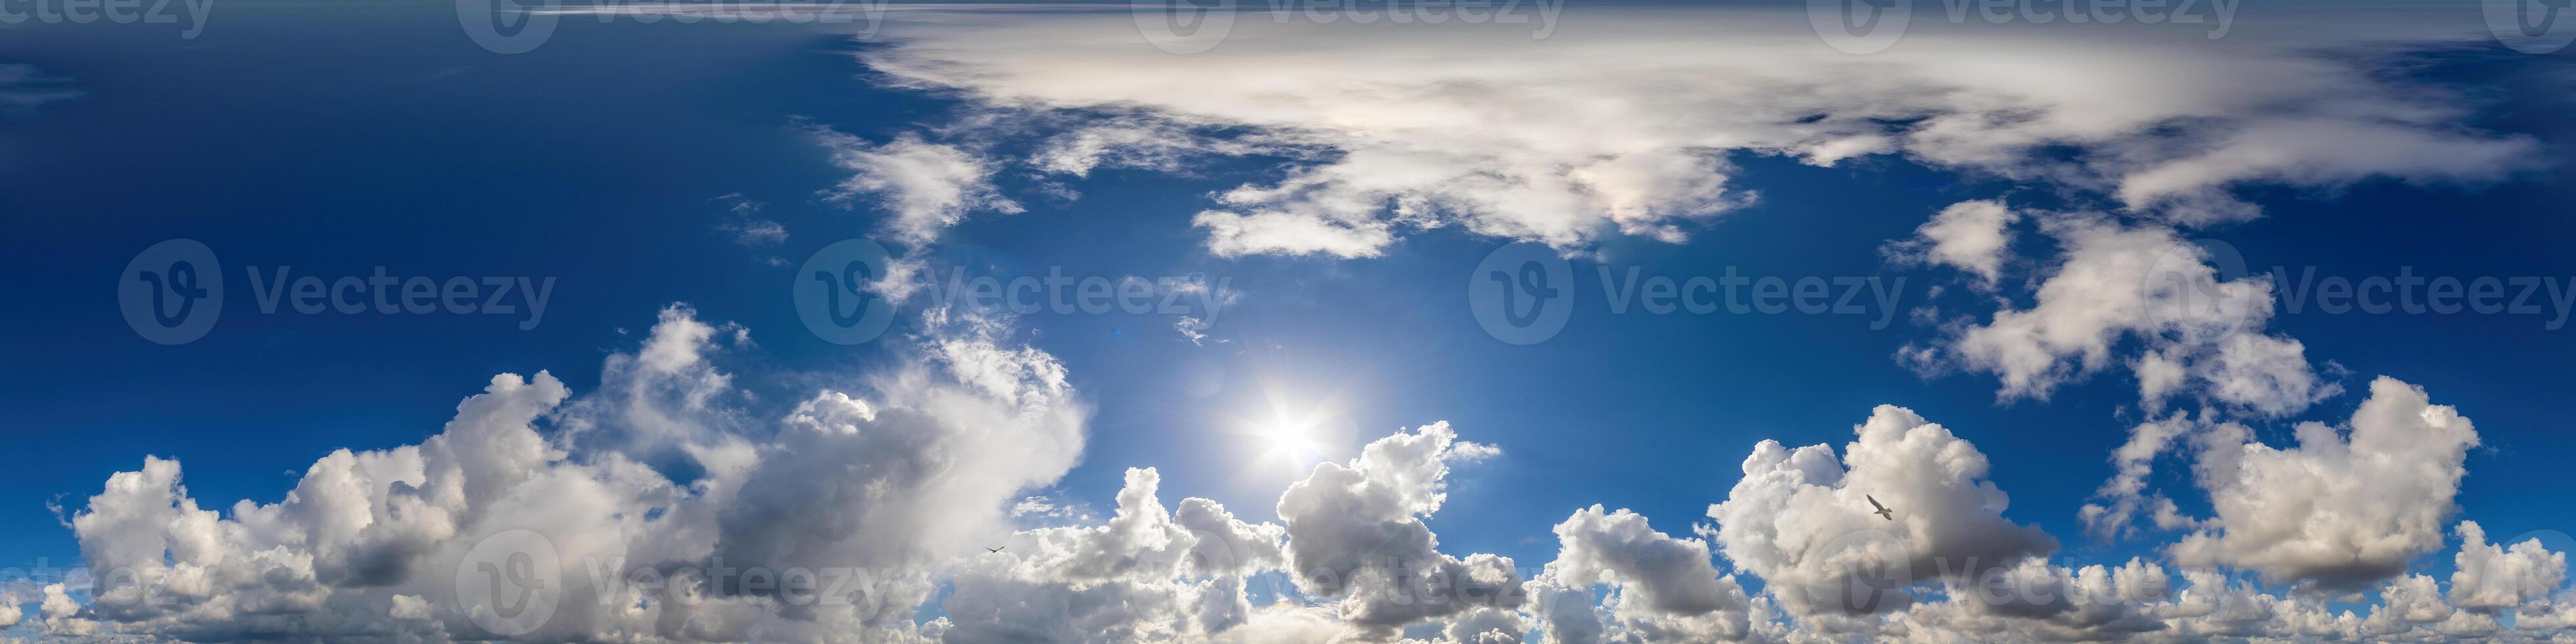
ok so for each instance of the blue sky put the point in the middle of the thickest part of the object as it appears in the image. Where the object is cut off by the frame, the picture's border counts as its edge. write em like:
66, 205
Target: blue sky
1337, 186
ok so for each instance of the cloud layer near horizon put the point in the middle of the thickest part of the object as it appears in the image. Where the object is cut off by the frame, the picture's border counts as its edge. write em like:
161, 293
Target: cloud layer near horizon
853, 504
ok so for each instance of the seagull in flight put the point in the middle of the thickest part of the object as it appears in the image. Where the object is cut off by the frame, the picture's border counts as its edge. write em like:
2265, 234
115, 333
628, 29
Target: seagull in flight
1882, 512
995, 549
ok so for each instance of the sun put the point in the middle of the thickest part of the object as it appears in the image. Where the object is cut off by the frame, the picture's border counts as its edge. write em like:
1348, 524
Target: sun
1288, 439
1289, 428
1294, 439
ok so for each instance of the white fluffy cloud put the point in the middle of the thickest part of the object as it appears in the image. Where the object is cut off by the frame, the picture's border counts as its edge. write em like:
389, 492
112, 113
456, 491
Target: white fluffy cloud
1356, 534
883, 494
881, 485
1664, 589
1971, 236
2338, 510
838, 522
2038, 601
1805, 524
1146, 575
925, 187
2113, 284
1351, 537
2490, 577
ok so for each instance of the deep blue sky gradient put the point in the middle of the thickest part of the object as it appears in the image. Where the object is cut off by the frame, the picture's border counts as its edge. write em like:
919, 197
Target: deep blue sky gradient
337, 138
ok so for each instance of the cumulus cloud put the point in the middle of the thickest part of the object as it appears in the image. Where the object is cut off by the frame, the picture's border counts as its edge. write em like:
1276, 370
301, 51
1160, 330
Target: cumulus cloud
870, 491
879, 492
2038, 601
837, 522
1663, 589
2342, 508
664, 399
1949, 568
2198, 327
1625, 125
1146, 575
1356, 535
2488, 577
1804, 523
1351, 537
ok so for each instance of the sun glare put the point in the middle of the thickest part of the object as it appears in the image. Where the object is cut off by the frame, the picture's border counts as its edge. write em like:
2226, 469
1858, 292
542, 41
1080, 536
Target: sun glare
1287, 439
1290, 428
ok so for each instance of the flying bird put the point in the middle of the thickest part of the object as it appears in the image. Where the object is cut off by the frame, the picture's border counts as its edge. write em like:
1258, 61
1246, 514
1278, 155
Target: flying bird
1882, 512
995, 549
